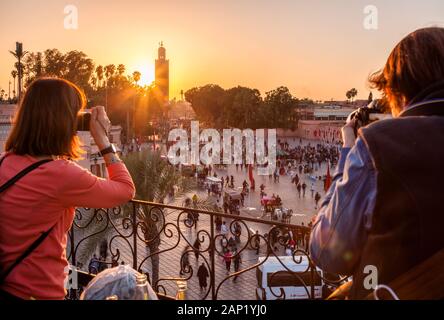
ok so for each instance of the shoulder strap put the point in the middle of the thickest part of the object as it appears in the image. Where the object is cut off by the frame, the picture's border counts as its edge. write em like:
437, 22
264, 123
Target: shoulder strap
25, 254
21, 174
43, 236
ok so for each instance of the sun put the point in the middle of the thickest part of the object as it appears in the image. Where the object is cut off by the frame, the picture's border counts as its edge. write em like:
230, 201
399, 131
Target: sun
147, 71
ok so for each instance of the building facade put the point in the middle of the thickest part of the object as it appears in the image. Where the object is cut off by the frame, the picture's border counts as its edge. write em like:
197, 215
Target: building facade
7, 113
323, 124
318, 123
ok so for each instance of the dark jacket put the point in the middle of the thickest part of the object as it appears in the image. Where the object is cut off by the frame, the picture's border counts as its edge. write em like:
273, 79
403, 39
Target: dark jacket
408, 155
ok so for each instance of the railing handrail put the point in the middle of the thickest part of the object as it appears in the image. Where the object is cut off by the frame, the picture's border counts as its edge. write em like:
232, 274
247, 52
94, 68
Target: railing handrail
133, 233
222, 215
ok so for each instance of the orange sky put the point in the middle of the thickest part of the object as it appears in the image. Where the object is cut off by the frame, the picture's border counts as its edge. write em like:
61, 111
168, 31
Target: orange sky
319, 48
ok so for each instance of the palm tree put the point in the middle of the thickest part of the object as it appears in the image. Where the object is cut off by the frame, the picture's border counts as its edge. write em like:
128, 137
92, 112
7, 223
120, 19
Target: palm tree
110, 70
14, 75
99, 73
348, 95
98, 230
109, 73
121, 69
94, 82
136, 76
353, 93
19, 54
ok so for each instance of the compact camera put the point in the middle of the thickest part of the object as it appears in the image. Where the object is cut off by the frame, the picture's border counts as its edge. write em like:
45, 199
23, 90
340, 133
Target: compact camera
83, 121
376, 110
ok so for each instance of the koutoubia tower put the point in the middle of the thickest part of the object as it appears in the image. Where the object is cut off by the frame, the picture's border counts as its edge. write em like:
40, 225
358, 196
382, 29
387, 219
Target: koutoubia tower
162, 80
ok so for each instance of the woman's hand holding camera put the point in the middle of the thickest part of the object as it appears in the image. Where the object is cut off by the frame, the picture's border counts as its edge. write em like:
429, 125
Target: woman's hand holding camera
99, 127
348, 133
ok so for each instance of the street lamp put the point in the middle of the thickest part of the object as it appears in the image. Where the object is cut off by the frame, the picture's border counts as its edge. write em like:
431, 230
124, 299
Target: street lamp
106, 95
19, 54
127, 125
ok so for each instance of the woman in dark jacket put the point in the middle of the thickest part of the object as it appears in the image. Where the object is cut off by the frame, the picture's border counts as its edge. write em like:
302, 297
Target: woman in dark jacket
383, 211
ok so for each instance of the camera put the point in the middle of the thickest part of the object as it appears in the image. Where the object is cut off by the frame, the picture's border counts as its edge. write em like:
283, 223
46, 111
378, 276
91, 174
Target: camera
83, 121
376, 110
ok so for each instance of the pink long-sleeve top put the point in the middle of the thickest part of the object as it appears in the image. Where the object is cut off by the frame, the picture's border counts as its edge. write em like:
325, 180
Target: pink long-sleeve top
46, 197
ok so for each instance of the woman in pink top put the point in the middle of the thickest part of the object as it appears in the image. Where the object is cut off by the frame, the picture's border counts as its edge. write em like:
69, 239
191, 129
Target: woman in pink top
44, 199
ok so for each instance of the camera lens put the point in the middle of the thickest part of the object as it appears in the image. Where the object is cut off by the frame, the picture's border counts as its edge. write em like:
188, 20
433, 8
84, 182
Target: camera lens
83, 121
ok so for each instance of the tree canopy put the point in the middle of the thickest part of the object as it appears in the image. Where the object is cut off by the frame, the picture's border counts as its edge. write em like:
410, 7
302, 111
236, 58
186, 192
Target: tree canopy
103, 85
130, 104
243, 107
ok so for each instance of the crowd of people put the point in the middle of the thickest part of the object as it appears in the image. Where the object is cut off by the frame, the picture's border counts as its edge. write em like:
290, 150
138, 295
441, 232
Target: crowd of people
306, 158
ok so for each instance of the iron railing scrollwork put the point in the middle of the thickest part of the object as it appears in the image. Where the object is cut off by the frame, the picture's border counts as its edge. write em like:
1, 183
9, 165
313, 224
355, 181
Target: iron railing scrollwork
158, 239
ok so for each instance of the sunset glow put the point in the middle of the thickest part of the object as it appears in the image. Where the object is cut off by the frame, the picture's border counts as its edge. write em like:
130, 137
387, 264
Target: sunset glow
259, 44
147, 71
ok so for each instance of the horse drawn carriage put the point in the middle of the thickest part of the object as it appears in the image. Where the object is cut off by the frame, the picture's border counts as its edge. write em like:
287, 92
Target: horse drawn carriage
282, 214
270, 203
232, 201
188, 170
274, 207
213, 185
201, 175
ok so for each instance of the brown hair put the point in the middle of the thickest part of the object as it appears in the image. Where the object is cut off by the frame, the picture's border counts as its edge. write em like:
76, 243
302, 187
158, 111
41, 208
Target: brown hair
46, 121
415, 63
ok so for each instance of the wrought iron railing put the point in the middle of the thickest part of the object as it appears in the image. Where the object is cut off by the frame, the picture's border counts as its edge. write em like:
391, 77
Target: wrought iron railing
163, 241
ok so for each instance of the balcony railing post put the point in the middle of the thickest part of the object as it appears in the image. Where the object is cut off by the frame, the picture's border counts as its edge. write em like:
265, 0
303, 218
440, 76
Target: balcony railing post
134, 217
212, 251
312, 282
71, 236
